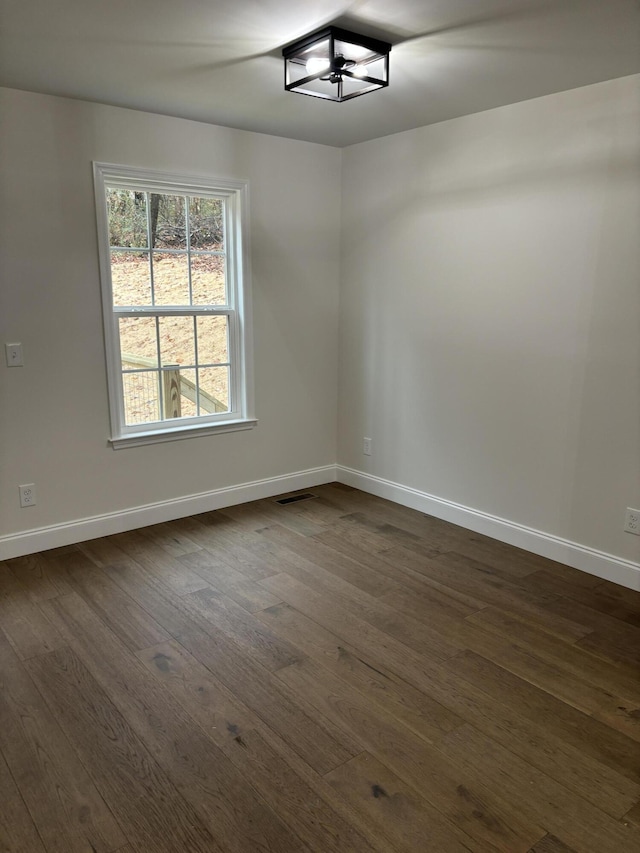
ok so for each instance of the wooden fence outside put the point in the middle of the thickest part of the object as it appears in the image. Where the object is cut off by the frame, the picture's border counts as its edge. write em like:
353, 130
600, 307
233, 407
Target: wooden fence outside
174, 387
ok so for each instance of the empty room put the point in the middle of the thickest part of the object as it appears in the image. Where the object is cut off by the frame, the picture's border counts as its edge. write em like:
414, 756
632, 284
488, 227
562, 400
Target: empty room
320, 426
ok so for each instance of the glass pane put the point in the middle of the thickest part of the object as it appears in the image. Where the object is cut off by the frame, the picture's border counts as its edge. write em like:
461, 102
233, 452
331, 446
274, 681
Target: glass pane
208, 280
127, 212
376, 68
212, 340
141, 397
297, 70
323, 87
170, 279
313, 60
130, 278
214, 389
186, 381
356, 52
168, 223
355, 85
206, 223
138, 343
177, 340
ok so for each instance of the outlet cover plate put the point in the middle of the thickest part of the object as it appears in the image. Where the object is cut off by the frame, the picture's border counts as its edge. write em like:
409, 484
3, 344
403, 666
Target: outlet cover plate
27, 495
13, 354
632, 521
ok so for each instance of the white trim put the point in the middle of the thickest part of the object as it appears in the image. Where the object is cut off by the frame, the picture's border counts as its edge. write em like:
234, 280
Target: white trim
602, 565
179, 432
128, 177
57, 535
598, 563
238, 309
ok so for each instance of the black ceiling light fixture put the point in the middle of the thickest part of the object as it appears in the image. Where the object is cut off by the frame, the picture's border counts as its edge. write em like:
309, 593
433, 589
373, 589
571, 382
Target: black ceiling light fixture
336, 64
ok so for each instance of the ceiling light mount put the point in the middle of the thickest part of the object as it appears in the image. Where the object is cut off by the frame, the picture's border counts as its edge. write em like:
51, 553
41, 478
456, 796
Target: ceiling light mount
336, 65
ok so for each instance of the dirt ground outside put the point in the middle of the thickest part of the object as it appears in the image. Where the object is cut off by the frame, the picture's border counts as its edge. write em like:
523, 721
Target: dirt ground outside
176, 336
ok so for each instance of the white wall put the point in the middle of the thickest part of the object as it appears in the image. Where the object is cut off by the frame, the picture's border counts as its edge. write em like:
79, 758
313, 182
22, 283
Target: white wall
53, 411
490, 312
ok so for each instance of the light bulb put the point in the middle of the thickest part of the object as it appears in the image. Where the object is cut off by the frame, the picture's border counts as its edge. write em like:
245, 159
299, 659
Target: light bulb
360, 71
316, 64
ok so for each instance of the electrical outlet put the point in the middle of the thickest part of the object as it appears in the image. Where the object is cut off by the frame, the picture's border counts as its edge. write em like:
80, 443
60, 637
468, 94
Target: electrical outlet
632, 521
366, 446
27, 494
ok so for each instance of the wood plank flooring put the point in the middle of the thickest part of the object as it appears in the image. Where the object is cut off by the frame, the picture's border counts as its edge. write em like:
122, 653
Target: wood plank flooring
336, 675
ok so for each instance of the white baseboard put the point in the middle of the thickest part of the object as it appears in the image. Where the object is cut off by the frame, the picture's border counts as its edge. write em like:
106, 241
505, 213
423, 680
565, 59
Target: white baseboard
606, 566
57, 535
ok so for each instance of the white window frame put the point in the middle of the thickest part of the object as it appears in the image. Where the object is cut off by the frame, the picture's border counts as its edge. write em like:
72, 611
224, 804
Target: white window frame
238, 310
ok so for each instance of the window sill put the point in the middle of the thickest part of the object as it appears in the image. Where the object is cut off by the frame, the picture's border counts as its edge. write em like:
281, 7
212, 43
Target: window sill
156, 436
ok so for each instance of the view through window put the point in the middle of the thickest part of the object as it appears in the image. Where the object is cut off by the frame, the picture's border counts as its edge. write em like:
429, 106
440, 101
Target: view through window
174, 297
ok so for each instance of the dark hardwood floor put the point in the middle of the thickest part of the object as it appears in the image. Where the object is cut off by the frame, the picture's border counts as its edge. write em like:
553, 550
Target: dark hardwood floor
336, 674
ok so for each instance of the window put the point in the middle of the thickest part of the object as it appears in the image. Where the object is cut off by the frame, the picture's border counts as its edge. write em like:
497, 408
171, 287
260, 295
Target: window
175, 303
